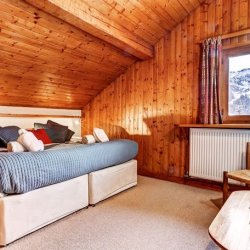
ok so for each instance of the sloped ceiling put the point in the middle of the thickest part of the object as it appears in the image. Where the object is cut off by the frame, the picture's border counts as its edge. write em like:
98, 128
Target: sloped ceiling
63, 53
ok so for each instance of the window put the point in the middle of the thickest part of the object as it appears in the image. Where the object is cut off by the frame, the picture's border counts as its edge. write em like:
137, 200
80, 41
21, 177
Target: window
236, 85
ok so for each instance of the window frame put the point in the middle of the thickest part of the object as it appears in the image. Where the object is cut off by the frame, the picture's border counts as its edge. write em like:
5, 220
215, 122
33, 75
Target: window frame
226, 53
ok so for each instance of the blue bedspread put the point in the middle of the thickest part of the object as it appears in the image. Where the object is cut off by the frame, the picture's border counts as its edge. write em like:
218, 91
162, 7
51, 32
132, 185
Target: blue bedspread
23, 172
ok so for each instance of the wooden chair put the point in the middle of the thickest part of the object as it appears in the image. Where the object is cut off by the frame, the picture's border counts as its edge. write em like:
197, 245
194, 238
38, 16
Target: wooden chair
240, 175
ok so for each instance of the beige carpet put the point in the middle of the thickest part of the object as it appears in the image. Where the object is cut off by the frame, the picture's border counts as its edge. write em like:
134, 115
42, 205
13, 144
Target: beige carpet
154, 215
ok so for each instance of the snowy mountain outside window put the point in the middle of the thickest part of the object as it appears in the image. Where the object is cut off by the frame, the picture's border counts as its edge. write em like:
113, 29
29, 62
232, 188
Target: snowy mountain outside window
239, 85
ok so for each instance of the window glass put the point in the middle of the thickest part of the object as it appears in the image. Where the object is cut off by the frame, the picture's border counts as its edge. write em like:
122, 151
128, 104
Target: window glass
239, 85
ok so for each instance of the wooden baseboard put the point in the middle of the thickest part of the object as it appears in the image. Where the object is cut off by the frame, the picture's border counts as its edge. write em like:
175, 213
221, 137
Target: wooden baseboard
195, 182
203, 183
162, 177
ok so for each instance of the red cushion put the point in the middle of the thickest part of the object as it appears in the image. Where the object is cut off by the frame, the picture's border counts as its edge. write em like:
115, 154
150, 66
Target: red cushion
42, 135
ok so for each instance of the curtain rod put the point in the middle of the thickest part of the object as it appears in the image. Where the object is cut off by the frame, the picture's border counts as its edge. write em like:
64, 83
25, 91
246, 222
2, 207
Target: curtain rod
233, 34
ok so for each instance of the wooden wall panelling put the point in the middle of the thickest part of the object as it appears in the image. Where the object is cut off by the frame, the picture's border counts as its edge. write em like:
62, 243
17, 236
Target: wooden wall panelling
184, 116
119, 105
139, 112
123, 104
113, 117
226, 21
160, 96
149, 118
165, 89
129, 100
177, 99
190, 40
191, 87
110, 110
171, 101
210, 14
155, 123
218, 16
243, 20
168, 105
235, 19
195, 63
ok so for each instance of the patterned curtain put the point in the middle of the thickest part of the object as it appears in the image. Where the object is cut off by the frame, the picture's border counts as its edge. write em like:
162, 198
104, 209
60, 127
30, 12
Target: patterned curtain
209, 104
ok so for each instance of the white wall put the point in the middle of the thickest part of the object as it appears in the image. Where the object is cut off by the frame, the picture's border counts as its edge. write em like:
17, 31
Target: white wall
28, 122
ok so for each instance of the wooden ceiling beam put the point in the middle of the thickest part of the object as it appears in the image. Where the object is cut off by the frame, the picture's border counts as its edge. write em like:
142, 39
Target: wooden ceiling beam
82, 16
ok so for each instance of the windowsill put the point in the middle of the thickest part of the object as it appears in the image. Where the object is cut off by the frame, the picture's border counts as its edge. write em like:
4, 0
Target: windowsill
232, 126
243, 119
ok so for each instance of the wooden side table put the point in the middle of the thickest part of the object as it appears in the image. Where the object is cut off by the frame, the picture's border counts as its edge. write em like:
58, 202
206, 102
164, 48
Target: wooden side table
231, 227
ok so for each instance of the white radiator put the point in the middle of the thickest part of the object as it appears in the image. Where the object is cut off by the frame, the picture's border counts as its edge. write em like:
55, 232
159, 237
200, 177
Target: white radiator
213, 151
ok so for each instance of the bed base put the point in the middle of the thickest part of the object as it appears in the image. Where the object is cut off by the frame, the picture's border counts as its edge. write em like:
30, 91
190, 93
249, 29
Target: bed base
25, 213
110, 181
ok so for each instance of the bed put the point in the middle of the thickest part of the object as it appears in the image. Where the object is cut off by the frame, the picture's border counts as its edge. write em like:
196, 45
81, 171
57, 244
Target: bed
39, 188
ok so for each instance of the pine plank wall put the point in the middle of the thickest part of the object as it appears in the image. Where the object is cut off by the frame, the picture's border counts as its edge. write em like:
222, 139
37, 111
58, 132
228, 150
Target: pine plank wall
146, 102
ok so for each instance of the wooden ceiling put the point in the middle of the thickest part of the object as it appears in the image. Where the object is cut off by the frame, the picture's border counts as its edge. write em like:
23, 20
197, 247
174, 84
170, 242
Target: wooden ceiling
58, 53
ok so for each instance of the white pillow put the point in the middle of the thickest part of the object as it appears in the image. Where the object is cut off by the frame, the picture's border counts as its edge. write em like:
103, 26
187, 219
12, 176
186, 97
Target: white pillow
100, 135
15, 146
29, 141
88, 139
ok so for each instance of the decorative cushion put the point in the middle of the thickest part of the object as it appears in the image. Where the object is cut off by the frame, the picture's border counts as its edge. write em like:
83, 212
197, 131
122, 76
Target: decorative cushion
7, 134
2, 144
100, 135
57, 134
39, 125
41, 134
69, 134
